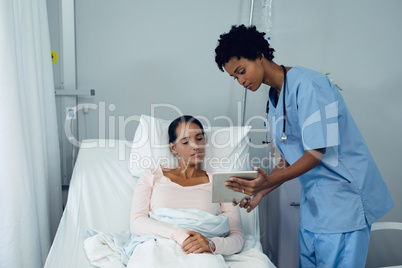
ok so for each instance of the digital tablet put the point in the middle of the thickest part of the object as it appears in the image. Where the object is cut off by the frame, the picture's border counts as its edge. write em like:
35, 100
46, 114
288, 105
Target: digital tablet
221, 194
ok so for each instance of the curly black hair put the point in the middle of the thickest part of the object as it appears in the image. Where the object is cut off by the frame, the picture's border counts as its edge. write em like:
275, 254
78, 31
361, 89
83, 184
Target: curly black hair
244, 42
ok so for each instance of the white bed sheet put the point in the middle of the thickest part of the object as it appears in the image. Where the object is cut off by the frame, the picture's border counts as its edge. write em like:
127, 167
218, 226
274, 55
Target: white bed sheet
99, 198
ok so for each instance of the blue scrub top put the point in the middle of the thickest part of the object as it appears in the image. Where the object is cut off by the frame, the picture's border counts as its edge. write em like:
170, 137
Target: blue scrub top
346, 189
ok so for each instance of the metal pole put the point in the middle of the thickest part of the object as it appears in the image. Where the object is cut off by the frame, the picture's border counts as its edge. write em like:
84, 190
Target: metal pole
245, 90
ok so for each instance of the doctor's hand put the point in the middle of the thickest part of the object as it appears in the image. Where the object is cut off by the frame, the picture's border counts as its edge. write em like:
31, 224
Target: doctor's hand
249, 204
195, 243
249, 187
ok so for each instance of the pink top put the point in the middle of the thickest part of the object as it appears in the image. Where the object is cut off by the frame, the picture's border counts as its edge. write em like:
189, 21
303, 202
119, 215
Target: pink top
154, 190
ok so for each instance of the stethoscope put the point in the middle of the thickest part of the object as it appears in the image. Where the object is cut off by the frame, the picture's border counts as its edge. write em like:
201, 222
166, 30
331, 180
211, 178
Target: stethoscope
284, 137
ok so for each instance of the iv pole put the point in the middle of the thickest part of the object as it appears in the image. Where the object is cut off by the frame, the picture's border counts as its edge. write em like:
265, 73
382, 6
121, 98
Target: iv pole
245, 90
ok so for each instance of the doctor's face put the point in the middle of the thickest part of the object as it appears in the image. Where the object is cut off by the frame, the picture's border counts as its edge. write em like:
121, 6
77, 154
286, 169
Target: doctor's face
249, 73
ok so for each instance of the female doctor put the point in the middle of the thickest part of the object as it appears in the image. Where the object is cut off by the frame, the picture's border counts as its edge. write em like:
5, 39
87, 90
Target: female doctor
343, 192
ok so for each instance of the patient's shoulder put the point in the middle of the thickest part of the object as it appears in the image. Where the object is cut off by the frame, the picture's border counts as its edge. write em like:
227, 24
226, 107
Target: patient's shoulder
151, 175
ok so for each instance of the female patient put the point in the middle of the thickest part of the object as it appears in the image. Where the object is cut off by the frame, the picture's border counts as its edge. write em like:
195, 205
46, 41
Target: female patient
186, 187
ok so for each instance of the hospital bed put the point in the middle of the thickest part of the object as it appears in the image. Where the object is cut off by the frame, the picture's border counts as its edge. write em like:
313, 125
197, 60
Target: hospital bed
100, 197
385, 257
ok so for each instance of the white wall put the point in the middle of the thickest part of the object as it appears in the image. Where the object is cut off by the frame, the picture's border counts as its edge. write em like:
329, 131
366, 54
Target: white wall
139, 53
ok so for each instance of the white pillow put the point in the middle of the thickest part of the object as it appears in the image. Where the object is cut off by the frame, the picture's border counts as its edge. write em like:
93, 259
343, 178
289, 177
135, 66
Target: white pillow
227, 148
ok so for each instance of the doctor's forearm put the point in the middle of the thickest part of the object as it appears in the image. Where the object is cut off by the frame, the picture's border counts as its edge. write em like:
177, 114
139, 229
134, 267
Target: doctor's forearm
308, 161
278, 168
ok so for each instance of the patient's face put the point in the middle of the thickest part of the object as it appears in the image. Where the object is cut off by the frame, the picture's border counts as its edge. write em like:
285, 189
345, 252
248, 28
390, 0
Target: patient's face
190, 144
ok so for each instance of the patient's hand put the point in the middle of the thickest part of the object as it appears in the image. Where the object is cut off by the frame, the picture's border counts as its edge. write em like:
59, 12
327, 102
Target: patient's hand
195, 243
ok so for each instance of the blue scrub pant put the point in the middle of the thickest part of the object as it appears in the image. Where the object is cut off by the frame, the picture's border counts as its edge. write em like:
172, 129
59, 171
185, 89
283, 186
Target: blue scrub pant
334, 250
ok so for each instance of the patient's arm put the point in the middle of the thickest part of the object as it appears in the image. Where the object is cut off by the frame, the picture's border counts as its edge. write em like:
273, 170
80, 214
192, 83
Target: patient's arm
196, 243
233, 243
140, 223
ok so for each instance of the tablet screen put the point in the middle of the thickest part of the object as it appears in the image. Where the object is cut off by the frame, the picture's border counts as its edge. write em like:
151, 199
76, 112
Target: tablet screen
221, 194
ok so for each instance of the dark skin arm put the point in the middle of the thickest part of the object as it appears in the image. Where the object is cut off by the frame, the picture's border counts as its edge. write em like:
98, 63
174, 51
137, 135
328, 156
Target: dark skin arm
282, 172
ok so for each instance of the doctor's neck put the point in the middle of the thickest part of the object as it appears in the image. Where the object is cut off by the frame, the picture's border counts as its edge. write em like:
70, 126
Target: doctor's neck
273, 75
